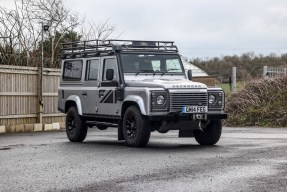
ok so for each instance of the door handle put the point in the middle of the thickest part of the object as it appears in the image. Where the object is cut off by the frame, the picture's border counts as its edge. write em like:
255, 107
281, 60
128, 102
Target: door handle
84, 94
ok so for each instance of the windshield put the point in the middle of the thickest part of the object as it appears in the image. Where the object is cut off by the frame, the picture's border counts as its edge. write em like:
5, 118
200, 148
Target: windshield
151, 63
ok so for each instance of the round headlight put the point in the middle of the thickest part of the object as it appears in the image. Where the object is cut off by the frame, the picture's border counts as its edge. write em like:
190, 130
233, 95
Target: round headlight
160, 100
211, 99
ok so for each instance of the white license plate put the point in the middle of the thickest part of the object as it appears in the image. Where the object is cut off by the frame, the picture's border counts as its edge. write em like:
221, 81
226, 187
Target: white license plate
194, 109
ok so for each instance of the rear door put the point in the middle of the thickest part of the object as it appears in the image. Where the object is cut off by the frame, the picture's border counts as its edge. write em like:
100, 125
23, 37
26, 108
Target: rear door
91, 86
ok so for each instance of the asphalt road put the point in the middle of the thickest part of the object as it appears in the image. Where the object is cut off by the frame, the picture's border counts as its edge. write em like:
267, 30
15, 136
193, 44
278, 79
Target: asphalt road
245, 159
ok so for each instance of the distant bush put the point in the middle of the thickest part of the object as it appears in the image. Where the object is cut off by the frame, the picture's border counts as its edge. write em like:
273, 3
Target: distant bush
261, 102
248, 65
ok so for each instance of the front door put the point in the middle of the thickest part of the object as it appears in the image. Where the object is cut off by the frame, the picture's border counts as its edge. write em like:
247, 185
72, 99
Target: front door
107, 104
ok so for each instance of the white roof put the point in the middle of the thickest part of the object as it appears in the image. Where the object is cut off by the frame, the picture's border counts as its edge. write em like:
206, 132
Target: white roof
196, 72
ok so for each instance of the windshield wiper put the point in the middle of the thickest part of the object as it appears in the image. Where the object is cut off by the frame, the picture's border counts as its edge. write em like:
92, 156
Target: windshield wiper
166, 71
145, 71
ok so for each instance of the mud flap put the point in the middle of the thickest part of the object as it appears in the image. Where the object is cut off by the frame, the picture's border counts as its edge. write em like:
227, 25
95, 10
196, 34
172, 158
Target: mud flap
120, 132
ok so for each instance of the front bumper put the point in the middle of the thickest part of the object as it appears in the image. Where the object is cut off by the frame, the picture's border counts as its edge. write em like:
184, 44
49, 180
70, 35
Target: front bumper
185, 116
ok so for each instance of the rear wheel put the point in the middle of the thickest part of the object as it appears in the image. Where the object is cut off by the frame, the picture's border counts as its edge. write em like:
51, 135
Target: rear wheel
211, 133
76, 127
136, 128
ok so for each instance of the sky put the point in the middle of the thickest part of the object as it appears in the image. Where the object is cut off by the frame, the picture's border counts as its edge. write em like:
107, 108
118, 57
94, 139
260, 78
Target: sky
200, 28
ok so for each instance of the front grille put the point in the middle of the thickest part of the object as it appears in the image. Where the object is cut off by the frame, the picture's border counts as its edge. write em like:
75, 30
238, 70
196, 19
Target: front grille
179, 100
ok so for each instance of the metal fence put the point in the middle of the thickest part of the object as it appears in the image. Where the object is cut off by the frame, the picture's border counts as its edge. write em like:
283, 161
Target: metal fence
274, 71
19, 101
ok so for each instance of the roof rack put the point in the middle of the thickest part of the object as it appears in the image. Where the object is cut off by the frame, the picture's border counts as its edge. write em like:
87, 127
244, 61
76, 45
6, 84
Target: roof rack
97, 47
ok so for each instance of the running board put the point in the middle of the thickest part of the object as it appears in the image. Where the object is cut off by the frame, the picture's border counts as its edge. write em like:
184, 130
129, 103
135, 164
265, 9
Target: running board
95, 123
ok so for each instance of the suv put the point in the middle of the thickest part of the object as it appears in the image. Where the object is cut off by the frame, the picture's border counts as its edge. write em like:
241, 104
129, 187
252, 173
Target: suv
137, 87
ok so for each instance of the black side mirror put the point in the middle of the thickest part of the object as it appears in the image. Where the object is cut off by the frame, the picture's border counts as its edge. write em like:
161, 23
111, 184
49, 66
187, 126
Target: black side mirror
189, 74
110, 74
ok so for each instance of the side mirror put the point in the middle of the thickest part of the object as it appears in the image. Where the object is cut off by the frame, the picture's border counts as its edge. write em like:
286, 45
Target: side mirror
189, 74
110, 74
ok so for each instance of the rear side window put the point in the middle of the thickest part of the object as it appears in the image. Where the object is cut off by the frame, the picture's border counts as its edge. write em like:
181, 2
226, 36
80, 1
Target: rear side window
92, 70
73, 70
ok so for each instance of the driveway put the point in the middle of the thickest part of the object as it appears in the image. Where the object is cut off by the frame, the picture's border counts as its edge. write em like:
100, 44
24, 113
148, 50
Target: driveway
245, 159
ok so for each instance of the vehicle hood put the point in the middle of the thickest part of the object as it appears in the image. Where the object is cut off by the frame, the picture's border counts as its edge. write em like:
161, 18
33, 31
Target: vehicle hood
165, 83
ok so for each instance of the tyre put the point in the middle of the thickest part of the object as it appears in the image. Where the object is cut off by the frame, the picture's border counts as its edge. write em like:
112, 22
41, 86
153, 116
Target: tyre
211, 133
136, 128
76, 128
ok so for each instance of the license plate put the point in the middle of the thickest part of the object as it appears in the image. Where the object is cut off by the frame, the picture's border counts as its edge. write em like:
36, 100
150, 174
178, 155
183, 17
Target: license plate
194, 109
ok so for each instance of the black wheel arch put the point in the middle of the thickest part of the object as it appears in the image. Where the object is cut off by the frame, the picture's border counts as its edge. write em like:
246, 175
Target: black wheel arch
126, 105
69, 104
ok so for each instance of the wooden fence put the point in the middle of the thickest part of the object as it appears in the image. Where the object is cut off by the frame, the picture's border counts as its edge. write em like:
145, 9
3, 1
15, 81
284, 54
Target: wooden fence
19, 95
19, 102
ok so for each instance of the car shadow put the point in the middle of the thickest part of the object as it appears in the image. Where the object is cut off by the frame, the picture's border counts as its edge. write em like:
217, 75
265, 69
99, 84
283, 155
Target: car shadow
151, 146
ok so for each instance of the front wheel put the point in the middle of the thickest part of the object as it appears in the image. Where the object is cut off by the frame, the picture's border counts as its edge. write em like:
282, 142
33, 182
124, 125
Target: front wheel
136, 128
76, 127
210, 135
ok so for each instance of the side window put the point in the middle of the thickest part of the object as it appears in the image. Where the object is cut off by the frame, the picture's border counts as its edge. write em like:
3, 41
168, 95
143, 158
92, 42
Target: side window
73, 70
110, 63
92, 70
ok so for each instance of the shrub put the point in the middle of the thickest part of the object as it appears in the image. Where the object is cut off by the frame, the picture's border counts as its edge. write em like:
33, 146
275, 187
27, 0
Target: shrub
261, 102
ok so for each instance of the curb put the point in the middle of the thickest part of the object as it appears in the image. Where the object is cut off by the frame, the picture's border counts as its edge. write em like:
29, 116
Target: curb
36, 127
2, 129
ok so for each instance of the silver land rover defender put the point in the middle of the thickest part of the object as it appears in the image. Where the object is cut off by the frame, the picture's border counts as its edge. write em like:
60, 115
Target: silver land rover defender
137, 87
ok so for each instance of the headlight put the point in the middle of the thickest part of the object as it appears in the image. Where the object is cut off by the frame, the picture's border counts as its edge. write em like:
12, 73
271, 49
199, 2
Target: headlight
215, 100
211, 99
160, 100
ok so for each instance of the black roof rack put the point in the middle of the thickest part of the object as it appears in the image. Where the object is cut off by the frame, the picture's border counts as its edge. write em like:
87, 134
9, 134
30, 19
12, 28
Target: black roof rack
96, 47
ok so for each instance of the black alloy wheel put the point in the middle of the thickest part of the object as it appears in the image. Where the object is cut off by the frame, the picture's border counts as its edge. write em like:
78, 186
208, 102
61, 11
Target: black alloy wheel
136, 129
76, 128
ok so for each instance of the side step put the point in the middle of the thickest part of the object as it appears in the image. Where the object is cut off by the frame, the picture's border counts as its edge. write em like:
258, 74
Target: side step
95, 123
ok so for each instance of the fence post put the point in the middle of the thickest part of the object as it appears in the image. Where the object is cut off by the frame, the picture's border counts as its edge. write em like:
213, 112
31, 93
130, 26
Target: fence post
39, 94
265, 73
233, 80
230, 83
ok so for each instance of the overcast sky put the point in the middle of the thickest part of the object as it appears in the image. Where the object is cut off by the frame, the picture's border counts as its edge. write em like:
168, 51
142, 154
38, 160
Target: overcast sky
200, 28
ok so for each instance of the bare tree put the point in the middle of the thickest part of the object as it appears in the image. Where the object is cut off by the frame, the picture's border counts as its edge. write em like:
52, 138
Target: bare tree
60, 19
19, 28
101, 30
22, 24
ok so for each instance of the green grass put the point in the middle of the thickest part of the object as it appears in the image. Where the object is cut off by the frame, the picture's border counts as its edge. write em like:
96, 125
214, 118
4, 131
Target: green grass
226, 86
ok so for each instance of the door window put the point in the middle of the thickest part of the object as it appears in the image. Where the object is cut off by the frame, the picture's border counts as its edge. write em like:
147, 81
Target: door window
92, 70
110, 63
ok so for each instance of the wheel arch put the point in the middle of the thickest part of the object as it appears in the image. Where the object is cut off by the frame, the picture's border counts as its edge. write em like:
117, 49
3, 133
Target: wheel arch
135, 101
73, 100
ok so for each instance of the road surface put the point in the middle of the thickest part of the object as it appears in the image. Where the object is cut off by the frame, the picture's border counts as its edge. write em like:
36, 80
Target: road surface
245, 159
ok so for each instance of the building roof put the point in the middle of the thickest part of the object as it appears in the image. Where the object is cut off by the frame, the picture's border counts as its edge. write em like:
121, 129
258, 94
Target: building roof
196, 72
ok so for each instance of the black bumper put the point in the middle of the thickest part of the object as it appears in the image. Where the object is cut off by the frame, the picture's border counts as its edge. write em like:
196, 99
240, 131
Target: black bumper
184, 116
